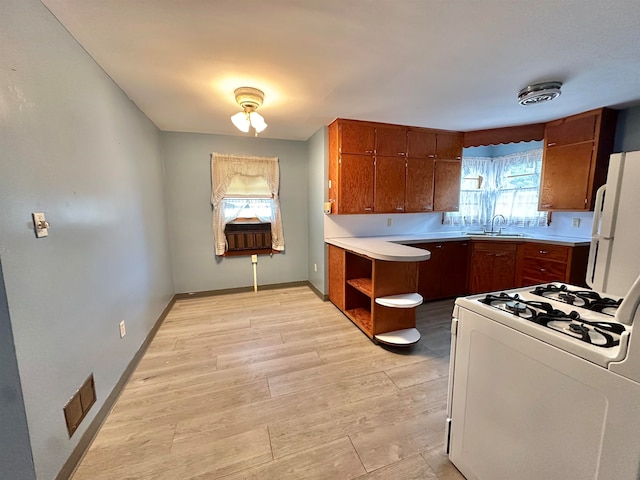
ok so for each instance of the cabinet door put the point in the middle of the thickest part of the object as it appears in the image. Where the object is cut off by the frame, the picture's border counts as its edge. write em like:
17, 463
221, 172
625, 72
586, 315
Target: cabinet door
454, 266
449, 145
504, 270
446, 188
421, 144
356, 184
565, 177
390, 175
357, 138
481, 273
336, 276
391, 141
570, 130
419, 190
430, 272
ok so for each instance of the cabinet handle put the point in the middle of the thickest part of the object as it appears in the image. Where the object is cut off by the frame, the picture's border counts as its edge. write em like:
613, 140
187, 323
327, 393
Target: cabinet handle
464, 244
400, 209
551, 144
546, 205
368, 209
368, 151
543, 252
543, 269
431, 156
401, 154
438, 246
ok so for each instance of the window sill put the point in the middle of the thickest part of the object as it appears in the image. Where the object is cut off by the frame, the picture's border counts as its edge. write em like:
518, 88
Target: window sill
246, 253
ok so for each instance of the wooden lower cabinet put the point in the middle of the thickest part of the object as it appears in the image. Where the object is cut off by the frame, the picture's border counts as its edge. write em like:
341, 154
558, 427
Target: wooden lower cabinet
355, 281
445, 273
543, 262
493, 266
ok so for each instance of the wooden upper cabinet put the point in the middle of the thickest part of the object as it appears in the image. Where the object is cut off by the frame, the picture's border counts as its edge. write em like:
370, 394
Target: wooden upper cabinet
570, 130
419, 186
566, 177
391, 141
446, 188
575, 159
449, 145
356, 184
357, 137
389, 185
384, 168
421, 144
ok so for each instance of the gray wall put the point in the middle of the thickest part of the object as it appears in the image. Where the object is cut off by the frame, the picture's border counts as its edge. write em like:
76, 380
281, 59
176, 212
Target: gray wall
188, 193
73, 146
15, 453
628, 130
318, 154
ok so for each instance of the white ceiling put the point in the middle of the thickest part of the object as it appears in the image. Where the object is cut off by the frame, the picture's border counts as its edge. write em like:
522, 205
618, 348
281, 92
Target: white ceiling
450, 64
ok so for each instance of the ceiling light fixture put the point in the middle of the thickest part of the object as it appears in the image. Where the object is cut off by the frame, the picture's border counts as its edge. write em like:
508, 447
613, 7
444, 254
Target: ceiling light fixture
539, 92
249, 99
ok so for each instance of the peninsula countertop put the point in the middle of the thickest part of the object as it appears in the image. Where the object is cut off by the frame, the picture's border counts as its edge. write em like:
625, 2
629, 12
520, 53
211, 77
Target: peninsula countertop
396, 248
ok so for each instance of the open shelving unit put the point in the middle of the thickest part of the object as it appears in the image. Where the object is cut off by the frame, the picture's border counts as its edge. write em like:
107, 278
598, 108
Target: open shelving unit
378, 296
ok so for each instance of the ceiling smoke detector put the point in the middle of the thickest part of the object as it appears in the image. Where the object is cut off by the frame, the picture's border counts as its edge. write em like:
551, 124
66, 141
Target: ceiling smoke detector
539, 92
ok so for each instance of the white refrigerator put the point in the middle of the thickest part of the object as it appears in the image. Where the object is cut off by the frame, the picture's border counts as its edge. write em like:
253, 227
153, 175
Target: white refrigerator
614, 255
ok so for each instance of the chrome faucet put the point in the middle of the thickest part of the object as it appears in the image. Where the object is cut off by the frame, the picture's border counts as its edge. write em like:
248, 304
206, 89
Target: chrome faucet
504, 220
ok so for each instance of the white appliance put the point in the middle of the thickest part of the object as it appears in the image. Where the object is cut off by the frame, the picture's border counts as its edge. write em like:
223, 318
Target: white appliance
614, 256
544, 383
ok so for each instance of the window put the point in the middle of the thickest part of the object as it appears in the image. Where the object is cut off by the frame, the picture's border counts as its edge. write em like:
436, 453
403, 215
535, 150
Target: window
506, 185
245, 187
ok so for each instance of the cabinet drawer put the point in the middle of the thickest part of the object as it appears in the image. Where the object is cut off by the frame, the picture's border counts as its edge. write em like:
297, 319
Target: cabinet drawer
544, 270
493, 246
545, 251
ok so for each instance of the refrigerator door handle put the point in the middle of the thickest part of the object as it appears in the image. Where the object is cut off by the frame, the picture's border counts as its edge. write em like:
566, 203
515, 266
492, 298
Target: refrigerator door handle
591, 262
597, 210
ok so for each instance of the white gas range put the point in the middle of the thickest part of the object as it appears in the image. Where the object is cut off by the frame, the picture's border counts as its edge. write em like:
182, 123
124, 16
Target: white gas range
545, 384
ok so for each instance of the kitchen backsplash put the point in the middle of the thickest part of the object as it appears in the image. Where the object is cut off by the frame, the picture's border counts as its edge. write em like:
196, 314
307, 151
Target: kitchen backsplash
412, 223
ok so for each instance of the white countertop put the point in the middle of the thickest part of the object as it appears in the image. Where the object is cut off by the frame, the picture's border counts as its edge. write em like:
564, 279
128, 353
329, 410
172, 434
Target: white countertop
396, 248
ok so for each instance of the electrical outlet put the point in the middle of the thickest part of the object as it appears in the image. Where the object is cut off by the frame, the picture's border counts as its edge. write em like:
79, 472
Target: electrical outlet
315, 267
576, 222
123, 329
254, 258
389, 221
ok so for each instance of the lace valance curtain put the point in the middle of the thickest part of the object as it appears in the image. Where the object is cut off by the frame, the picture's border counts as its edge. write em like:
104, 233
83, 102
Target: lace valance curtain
224, 168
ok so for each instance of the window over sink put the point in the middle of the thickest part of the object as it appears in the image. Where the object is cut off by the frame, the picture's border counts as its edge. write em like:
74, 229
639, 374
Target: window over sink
500, 184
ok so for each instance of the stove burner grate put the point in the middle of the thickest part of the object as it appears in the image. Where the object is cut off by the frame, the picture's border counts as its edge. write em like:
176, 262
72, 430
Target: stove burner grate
598, 333
580, 298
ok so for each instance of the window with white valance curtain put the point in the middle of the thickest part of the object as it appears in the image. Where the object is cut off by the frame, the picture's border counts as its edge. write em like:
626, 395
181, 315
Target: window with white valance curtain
245, 187
506, 185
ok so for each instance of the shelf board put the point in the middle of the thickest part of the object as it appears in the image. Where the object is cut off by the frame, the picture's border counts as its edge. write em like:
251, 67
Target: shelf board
404, 337
403, 300
362, 318
363, 285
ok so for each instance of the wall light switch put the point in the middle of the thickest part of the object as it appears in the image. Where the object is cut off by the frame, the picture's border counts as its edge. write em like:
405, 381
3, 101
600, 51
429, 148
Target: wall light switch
123, 329
576, 222
389, 221
40, 224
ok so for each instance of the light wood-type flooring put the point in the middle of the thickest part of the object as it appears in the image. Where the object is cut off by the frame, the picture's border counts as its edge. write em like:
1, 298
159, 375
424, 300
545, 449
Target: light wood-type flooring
278, 385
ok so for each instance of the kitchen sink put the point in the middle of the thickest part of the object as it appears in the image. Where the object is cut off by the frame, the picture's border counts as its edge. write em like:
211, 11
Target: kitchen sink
495, 234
